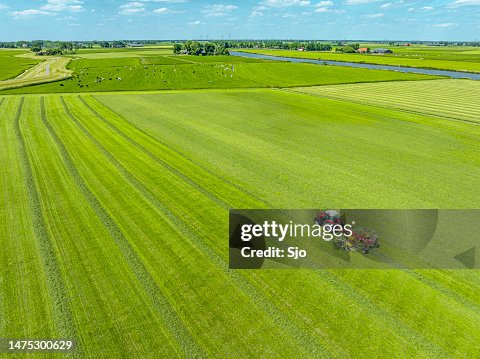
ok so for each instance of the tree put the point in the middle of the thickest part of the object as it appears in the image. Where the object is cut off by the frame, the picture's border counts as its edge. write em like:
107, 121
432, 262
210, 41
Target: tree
177, 48
36, 49
209, 48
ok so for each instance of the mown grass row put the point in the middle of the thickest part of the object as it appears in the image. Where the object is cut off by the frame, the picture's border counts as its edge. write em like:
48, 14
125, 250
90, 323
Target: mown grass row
455, 99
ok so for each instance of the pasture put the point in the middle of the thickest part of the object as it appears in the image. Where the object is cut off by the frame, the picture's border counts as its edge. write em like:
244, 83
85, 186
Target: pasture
115, 208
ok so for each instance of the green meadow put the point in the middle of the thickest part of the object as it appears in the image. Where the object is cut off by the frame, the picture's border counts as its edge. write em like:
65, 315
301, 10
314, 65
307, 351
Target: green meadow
115, 199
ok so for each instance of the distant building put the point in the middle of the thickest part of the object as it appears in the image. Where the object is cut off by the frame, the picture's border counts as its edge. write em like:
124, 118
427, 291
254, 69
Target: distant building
135, 45
301, 49
382, 51
362, 50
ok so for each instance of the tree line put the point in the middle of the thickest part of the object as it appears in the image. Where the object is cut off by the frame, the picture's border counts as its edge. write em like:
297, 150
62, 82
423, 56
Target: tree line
197, 48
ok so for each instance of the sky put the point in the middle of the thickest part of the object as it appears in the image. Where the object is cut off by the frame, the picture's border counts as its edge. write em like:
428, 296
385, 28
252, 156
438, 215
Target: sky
428, 20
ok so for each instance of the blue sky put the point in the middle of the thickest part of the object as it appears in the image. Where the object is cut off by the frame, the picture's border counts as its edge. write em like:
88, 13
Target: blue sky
256, 19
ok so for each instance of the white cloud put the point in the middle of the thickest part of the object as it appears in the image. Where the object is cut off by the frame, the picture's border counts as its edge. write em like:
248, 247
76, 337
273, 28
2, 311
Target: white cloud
3, 7
162, 10
28, 13
132, 8
445, 25
427, 8
374, 16
387, 5
322, 9
195, 23
63, 5
459, 3
218, 9
324, 3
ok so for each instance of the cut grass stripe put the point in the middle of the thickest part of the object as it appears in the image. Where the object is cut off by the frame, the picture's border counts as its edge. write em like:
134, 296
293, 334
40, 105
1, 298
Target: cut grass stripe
185, 339
62, 312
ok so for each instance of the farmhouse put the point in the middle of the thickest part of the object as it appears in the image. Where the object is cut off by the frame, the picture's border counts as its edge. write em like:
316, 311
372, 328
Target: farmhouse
362, 50
382, 51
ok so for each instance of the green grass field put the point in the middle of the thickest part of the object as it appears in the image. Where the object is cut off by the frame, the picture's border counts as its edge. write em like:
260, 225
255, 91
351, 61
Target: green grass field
11, 66
115, 208
455, 58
